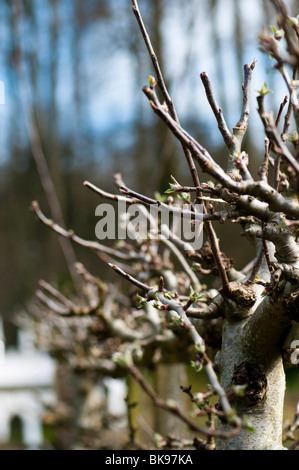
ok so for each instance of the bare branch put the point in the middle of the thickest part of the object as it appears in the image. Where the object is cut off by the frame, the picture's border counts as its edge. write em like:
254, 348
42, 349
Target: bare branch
58, 296
98, 247
257, 189
218, 258
232, 141
174, 409
256, 266
263, 171
163, 88
192, 276
113, 197
197, 339
218, 113
131, 279
240, 128
154, 59
280, 146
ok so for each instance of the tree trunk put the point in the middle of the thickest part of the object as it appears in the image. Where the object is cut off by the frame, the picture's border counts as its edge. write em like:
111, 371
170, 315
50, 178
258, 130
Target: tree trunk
251, 355
263, 398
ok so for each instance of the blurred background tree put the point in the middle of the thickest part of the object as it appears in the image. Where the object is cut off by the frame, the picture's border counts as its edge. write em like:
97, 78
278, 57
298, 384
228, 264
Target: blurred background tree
81, 67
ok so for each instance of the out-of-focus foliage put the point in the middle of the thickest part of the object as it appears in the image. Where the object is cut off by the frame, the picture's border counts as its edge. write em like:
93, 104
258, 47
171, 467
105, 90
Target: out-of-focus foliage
83, 65
84, 68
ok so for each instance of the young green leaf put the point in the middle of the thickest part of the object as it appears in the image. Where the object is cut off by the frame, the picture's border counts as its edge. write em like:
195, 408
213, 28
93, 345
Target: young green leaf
185, 197
197, 365
247, 425
264, 90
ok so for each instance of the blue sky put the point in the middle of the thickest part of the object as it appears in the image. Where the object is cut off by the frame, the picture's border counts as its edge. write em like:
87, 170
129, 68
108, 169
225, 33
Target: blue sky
112, 88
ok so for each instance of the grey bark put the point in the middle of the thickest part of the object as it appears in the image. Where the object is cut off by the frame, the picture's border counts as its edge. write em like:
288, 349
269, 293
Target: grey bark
251, 353
266, 414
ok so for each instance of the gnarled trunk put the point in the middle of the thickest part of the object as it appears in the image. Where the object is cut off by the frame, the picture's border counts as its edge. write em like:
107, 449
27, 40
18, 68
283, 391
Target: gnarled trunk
263, 398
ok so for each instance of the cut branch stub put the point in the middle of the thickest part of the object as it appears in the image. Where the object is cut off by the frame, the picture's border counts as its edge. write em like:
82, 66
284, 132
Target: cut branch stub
239, 302
253, 377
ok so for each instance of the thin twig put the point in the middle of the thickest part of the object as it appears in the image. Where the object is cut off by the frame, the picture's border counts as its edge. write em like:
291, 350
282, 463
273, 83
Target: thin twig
256, 266
191, 274
218, 113
70, 234
240, 128
58, 296
287, 119
280, 146
218, 258
294, 445
164, 91
276, 201
52, 305
174, 409
263, 171
176, 209
154, 59
197, 339
132, 429
205, 217
267, 255
281, 107
130, 278
113, 197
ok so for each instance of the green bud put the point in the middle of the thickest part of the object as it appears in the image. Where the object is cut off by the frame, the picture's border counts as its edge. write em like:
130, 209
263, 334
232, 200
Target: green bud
200, 348
160, 197
185, 197
142, 302
293, 137
137, 351
172, 189
174, 180
176, 320
169, 295
231, 416
159, 441
273, 28
293, 21
247, 425
264, 91
201, 401
197, 365
194, 296
279, 34
172, 404
198, 398
195, 266
123, 359
152, 81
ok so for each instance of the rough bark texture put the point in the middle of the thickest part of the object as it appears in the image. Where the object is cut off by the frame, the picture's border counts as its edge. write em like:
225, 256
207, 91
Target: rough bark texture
264, 396
251, 355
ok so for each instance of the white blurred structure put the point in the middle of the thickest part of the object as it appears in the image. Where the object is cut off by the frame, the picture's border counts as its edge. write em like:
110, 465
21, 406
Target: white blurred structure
26, 385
